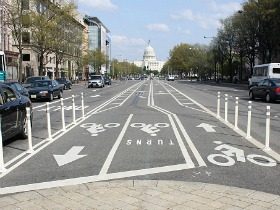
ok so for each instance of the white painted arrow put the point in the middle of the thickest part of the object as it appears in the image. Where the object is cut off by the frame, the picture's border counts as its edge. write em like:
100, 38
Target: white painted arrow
69, 156
207, 127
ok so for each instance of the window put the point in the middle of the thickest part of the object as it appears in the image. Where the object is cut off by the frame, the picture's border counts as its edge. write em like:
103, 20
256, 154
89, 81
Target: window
9, 94
25, 37
26, 21
25, 4
25, 57
265, 83
276, 70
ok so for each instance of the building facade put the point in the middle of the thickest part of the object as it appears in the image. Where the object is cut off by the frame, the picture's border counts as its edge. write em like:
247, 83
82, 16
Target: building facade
149, 62
6, 42
98, 38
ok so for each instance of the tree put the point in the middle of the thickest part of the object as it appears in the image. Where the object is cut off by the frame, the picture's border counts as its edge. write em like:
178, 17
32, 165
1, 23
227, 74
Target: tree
18, 22
67, 35
96, 58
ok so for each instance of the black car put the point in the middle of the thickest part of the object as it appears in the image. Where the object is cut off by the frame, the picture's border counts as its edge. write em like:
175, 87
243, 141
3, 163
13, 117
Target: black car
67, 84
13, 112
29, 80
19, 88
268, 89
45, 89
107, 81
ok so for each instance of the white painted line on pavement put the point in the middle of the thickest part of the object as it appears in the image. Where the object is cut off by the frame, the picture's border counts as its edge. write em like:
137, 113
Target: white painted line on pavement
112, 153
96, 178
255, 142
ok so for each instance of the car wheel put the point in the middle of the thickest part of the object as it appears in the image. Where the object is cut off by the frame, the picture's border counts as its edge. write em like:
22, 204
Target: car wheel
70, 86
268, 98
64, 87
60, 95
23, 133
251, 95
51, 97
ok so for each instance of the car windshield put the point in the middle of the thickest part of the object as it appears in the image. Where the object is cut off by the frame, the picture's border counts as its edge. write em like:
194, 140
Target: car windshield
41, 84
61, 80
32, 79
95, 77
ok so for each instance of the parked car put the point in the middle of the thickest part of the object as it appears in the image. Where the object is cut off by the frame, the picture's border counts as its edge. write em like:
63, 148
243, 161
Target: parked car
13, 112
268, 89
96, 81
29, 80
45, 89
65, 82
19, 88
107, 81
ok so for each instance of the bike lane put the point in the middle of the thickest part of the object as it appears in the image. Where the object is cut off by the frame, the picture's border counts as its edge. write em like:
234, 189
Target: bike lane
230, 158
125, 138
147, 134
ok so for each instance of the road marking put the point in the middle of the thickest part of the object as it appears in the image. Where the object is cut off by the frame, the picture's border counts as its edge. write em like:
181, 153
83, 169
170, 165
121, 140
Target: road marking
173, 125
112, 153
96, 178
255, 142
20, 159
207, 127
95, 96
69, 156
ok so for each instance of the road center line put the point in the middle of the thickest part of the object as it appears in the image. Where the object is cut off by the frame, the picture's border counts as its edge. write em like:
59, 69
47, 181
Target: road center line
112, 153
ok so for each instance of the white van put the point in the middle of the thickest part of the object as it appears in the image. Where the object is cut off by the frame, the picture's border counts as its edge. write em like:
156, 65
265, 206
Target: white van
263, 71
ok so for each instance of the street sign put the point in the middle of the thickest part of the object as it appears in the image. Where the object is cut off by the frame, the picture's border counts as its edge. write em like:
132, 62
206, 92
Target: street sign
3, 76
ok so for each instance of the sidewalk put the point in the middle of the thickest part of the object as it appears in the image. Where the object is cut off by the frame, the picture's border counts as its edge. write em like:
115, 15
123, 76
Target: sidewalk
136, 194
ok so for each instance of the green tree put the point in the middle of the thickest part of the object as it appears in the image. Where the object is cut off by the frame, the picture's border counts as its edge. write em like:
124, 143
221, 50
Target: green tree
18, 21
96, 58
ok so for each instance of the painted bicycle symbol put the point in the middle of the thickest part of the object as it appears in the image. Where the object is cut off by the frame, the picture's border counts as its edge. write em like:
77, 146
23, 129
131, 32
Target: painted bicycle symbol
230, 152
150, 128
94, 128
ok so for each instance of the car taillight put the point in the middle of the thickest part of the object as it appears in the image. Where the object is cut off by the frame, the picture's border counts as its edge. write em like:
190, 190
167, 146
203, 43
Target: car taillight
277, 90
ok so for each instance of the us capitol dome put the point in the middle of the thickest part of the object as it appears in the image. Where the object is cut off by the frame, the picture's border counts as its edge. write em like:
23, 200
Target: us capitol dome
149, 61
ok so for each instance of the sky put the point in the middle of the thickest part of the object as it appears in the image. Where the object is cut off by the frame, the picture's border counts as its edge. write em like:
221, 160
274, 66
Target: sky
165, 23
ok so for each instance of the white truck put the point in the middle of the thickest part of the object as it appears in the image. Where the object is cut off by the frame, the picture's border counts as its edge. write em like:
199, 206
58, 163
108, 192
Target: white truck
263, 71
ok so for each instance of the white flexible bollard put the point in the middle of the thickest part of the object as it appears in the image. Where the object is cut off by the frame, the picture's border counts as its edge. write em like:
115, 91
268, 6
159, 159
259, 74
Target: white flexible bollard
29, 134
249, 119
48, 121
2, 166
62, 114
73, 109
218, 104
267, 132
226, 107
83, 106
236, 113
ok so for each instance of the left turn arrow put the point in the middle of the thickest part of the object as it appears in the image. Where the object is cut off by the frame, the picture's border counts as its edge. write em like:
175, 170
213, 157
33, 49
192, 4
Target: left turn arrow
69, 156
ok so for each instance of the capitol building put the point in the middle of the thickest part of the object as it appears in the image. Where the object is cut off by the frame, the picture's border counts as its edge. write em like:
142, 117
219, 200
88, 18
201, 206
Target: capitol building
149, 61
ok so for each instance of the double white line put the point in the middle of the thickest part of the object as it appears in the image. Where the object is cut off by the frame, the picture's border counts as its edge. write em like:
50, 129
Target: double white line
171, 115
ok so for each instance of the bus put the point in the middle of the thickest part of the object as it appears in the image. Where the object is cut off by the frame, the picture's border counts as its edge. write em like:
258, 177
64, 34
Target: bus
263, 71
2, 67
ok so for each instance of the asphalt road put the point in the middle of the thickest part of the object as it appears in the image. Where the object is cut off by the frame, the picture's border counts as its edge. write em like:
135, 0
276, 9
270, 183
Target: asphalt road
150, 130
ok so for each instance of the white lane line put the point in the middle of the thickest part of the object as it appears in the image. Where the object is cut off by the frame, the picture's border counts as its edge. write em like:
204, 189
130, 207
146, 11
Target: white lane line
112, 153
181, 143
95, 96
176, 132
189, 141
255, 142
56, 136
96, 178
